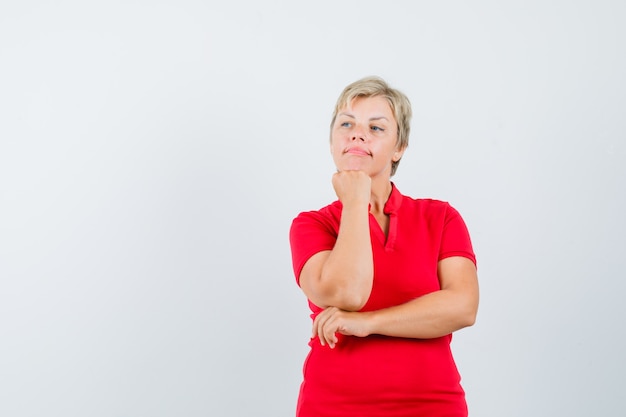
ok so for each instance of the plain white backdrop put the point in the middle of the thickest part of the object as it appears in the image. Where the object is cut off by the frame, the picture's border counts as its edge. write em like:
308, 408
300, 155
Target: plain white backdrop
154, 153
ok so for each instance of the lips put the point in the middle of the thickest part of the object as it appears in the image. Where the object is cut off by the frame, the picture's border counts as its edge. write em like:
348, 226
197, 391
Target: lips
357, 151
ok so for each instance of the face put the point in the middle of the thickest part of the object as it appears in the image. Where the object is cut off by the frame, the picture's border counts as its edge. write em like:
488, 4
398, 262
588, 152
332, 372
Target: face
364, 137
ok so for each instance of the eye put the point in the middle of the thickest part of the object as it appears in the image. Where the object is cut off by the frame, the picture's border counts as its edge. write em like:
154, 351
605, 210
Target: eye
377, 129
346, 124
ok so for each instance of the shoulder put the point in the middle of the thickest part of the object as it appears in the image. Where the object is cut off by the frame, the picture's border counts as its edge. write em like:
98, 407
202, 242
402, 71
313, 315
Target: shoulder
326, 217
429, 207
312, 232
432, 214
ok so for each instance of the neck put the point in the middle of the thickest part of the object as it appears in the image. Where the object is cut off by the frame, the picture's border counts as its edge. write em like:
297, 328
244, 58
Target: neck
380, 194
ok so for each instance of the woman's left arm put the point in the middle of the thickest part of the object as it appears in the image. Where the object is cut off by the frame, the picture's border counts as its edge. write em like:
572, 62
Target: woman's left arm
433, 315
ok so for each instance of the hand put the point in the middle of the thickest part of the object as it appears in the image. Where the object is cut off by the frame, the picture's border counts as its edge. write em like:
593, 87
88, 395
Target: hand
352, 187
333, 320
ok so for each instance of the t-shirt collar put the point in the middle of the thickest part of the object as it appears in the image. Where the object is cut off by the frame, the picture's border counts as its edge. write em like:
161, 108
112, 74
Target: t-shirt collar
394, 201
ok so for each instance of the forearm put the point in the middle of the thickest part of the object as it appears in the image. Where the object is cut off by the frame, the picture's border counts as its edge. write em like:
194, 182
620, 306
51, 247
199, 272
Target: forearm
347, 274
432, 315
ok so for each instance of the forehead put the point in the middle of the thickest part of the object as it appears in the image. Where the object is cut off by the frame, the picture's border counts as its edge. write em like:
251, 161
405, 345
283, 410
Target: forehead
375, 104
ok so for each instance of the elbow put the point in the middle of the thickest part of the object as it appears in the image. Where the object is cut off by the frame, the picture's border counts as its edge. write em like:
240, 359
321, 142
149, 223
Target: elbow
353, 303
347, 300
467, 311
468, 317
344, 295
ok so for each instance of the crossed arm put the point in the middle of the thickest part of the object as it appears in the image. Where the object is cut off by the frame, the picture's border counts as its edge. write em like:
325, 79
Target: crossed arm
340, 281
437, 314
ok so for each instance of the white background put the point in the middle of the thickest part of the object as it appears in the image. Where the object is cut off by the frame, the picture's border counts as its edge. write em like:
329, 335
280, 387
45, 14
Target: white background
154, 153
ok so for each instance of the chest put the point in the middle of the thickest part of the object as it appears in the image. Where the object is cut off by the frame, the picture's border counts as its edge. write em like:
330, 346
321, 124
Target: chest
405, 262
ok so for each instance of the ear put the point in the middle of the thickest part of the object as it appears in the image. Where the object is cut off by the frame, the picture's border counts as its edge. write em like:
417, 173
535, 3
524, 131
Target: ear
398, 154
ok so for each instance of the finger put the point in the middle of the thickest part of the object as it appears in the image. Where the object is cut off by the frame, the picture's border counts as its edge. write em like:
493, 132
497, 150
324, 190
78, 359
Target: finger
316, 327
330, 330
320, 332
319, 322
330, 325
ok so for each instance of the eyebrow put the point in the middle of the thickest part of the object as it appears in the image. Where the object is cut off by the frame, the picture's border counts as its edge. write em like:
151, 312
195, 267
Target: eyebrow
371, 118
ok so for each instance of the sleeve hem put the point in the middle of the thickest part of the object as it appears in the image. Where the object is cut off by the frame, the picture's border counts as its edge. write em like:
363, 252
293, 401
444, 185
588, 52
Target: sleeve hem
298, 268
463, 254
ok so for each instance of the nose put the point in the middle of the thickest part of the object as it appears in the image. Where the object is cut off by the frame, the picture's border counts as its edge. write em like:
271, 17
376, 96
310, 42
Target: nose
358, 134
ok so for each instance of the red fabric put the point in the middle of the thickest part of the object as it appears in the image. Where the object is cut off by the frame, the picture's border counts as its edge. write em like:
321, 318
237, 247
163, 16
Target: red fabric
379, 375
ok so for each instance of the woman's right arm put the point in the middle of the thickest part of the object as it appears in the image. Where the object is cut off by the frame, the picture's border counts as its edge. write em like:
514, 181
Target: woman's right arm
343, 276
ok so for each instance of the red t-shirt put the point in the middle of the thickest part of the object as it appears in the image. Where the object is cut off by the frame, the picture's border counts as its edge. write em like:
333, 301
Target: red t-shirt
380, 375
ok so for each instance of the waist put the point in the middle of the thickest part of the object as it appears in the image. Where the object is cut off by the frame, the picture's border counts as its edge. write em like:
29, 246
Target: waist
376, 366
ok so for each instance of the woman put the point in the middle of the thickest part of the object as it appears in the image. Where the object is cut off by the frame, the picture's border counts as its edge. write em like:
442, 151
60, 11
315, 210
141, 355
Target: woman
388, 277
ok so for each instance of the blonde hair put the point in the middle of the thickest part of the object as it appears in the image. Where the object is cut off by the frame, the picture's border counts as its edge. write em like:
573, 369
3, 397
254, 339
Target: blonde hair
399, 103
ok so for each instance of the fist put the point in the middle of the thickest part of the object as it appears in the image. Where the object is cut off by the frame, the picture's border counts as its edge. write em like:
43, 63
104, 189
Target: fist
352, 187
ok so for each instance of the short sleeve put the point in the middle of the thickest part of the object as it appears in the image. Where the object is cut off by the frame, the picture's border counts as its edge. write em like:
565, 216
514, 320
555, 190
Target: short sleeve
455, 239
310, 233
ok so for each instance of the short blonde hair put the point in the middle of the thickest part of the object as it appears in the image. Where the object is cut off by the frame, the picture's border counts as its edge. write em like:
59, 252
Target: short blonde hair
399, 103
